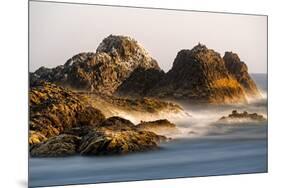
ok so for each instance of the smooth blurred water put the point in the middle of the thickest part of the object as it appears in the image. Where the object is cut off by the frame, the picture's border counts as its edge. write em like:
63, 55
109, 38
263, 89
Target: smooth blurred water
202, 148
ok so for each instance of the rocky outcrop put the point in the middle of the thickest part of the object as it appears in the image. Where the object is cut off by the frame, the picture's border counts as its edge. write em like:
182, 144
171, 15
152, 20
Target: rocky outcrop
63, 123
137, 109
115, 135
239, 70
199, 75
121, 66
140, 82
115, 59
54, 109
118, 136
58, 146
242, 116
161, 126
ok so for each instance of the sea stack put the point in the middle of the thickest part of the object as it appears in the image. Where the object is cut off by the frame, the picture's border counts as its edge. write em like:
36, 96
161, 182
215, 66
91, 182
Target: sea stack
115, 59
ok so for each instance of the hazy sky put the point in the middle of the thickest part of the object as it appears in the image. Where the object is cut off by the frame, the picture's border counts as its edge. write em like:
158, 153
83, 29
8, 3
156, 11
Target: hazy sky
59, 31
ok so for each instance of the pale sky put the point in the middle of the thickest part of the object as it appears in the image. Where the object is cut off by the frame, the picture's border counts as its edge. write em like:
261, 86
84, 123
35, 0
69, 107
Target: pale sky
59, 31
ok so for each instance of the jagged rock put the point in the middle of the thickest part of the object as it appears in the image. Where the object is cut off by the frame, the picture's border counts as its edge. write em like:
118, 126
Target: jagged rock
54, 109
239, 70
140, 82
115, 59
58, 146
199, 75
244, 115
161, 126
118, 136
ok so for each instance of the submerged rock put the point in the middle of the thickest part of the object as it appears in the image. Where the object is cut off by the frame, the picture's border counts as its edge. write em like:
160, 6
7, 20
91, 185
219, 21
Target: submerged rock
244, 115
57, 146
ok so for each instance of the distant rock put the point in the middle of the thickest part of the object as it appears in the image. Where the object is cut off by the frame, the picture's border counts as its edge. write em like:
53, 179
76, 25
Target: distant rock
242, 116
161, 126
239, 70
115, 59
199, 75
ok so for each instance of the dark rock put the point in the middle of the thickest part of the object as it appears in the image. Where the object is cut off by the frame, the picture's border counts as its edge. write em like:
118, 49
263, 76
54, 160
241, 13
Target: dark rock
57, 146
118, 136
239, 70
140, 82
161, 126
116, 124
244, 115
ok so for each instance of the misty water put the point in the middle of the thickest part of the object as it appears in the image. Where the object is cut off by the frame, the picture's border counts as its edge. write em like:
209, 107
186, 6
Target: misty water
202, 148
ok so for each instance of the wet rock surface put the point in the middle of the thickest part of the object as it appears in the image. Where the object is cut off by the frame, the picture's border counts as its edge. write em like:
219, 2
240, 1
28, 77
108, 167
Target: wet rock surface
57, 146
118, 136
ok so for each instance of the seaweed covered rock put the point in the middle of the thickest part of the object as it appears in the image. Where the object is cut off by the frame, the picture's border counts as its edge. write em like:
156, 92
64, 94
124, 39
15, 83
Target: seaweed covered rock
57, 146
242, 116
118, 136
239, 70
54, 109
199, 75
115, 59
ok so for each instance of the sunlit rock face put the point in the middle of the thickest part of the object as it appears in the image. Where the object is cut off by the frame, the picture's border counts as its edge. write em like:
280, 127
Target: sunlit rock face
115, 59
54, 109
199, 75
121, 66
239, 70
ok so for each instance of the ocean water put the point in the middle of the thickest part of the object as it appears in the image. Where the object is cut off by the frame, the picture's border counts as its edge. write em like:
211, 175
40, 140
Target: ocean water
202, 148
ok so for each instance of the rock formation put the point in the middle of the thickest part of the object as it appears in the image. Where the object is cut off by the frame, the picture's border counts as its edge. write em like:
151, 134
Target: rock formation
115, 59
63, 123
58, 146
121, 66
140, 82
239, 70
114, 135
199, 75
118, 136
54, 109
162, 126
242, 116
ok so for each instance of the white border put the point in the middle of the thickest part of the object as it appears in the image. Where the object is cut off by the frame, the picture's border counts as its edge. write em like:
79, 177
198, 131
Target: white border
13, 42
